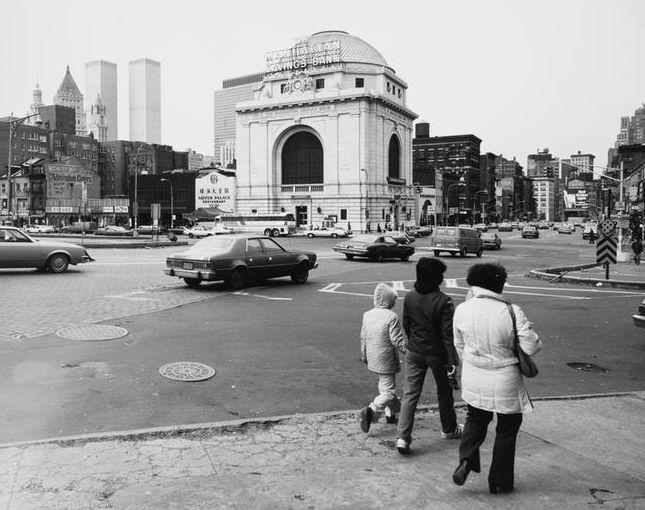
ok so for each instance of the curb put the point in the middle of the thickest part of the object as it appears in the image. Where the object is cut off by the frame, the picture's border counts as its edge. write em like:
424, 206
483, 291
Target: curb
242, 426
558, 274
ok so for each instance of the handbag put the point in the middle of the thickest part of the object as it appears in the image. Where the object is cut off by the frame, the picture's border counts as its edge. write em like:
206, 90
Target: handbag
528, 368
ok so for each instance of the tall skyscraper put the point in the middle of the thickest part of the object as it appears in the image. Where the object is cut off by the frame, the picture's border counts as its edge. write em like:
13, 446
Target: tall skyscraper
97, 122
101, 80
69, 95
36, 103
145, 100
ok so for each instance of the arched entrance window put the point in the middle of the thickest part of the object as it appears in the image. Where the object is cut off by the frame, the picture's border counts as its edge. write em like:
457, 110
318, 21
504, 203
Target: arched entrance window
302, 159
394, 152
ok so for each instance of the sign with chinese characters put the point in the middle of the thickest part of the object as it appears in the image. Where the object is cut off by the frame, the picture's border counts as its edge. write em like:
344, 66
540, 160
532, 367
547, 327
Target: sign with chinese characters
215, 190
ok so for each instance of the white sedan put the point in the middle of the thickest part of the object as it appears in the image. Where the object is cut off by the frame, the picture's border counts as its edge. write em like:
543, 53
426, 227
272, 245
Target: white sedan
327, 232
40, 229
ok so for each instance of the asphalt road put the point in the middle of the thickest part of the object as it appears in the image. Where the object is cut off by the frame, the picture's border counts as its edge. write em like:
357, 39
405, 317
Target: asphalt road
277, 348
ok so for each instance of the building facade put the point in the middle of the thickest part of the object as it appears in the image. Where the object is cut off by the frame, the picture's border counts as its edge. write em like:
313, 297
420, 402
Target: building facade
233, 91
101, 81
69, 95
452, 165
327, 137
145, 100
97, 120
585, 164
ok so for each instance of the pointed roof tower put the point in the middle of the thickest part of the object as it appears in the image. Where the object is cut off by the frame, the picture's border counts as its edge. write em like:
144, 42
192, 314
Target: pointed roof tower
68, 86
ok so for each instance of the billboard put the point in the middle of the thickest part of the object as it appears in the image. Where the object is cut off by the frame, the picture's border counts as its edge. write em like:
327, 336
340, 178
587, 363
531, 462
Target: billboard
215, 190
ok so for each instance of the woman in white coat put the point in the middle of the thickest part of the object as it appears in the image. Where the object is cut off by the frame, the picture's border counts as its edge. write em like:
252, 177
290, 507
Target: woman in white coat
491, 380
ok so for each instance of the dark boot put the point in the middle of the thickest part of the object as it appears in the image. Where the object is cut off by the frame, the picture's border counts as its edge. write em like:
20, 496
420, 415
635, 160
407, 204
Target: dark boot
461, 473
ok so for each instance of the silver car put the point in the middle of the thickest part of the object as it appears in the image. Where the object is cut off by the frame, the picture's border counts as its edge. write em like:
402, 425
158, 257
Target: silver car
19, 250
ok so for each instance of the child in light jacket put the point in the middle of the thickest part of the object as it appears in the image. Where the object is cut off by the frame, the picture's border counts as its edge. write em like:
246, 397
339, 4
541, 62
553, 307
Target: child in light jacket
382, 339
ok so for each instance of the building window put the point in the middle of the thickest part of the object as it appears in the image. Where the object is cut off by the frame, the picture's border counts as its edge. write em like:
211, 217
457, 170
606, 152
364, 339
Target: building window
343, 214
359, 83
282, 87
388, 86
394, 153
320, 83
302, 159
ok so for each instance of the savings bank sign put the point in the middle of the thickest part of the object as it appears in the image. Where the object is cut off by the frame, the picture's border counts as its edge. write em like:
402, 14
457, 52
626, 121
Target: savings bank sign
304, 55
215, 190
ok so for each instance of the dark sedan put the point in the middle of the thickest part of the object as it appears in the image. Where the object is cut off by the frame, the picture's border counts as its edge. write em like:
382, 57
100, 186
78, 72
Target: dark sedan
376, 247
17, 249
639, 318
238, 259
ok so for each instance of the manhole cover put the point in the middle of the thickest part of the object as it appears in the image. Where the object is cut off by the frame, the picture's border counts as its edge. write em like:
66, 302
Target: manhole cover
187, 371
93, 332
587, 367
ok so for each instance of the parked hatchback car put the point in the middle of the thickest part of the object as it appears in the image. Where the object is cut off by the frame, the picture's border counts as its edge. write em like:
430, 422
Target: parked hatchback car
19, 250
491, 241
377, 247
456, 240
238, 259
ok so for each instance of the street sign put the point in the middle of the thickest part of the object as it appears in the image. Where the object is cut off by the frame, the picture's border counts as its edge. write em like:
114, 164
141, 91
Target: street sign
607, 227
620, 206
606, 250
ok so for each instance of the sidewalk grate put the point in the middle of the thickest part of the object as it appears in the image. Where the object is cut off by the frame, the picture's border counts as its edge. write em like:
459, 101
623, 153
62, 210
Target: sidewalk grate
92, 333
587, 367
187, 371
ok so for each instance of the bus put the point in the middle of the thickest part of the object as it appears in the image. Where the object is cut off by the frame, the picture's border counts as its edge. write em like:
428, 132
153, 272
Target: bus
273, 225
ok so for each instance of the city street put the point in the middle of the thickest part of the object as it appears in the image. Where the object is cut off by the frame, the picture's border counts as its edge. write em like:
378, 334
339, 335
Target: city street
277, 348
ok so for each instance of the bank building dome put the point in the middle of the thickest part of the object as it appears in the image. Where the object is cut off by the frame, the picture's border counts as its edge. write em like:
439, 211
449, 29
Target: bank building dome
352, 49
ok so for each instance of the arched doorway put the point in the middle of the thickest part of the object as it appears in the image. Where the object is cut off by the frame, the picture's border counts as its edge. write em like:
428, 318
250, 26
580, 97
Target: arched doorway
394, 156
302, 159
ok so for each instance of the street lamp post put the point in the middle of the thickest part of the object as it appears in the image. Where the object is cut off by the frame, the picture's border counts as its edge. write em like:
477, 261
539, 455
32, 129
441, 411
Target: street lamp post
13, 127
172, 205
483, 192
461, 183
136, 188
367, 213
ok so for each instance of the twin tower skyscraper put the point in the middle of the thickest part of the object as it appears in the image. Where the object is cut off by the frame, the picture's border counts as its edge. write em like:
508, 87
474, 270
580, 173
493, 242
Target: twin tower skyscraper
144, 95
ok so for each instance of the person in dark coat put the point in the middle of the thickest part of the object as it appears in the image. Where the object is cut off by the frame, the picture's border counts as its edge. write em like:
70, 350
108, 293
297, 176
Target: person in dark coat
637, 247
427, 322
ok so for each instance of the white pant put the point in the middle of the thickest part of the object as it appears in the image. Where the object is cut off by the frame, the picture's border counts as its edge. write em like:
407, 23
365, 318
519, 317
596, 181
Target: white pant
386, 400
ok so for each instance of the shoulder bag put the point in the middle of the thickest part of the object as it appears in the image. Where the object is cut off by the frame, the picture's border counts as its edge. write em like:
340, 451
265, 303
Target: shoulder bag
528, 368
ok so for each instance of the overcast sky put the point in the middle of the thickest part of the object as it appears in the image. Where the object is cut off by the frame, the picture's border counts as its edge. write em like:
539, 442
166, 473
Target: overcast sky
520, 75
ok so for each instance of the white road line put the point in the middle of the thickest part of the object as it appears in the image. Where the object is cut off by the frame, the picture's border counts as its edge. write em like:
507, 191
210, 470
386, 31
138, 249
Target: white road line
270, 298
451, 283
605, 291
398, 286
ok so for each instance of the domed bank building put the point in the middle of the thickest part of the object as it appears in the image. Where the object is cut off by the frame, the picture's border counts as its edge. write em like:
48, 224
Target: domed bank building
327, 137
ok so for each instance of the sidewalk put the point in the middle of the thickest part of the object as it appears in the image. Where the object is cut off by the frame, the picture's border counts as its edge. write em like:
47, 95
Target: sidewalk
621, 275
572, 453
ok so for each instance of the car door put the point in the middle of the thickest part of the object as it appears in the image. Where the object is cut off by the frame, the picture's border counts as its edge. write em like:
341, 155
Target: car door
17, 250
280, 262
391, 248
257, 261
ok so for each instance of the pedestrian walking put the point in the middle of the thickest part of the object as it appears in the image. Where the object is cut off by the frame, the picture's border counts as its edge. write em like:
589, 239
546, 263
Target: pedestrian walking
382, 340
491, 381
427, 322
637, 247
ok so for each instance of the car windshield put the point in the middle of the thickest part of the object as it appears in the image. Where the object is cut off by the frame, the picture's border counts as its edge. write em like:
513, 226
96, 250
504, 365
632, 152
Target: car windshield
14, 236
487, 236
212, 244
446, 231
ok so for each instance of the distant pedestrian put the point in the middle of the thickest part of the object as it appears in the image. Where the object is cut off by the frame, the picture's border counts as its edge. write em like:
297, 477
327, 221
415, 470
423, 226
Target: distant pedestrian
592, 236
637, 247
378, 228
427, 322
382, 340
491, 381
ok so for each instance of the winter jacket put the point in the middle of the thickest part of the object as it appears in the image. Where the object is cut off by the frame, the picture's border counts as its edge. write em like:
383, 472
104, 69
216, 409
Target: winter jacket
427, 322
381, 333
483, 331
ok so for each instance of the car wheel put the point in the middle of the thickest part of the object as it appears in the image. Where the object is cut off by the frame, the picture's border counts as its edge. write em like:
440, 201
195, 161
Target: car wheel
405, 258
310, 235
301, 274
267, 232
453, 254
463, 252
479, 252
193, 283
236, 279
380, 256
275, 233
58, 263
334, 235
349, 256
191, 235
436, 253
